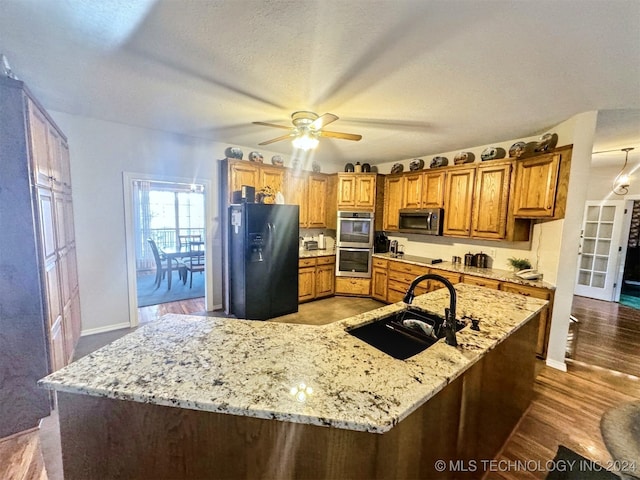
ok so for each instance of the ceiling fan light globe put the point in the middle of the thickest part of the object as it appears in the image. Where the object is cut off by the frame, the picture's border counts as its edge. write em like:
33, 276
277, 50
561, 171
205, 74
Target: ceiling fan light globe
305, 142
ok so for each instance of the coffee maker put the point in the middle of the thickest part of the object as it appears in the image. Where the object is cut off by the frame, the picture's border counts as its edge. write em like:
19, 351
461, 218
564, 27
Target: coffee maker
381, 243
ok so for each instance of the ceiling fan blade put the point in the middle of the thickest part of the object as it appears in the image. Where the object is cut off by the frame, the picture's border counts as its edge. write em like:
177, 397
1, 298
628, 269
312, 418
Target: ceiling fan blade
273, 125
341, 135
323, 120
277, 139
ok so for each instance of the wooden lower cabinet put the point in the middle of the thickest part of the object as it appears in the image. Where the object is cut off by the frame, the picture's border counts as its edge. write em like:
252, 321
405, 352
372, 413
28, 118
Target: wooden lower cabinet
545, 314
451, 276
353, 286
482, 282
400, 276
379, 279
58, 344
325, 276
306, 284
316, 277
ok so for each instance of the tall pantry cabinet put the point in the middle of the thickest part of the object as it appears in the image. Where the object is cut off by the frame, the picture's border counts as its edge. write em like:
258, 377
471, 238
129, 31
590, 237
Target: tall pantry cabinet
39, 295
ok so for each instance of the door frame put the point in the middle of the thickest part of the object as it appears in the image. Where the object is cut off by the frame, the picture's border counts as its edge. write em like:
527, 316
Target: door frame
127, 181
624, 240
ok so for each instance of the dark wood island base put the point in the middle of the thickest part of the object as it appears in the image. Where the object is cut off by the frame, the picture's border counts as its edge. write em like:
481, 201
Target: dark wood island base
470, 419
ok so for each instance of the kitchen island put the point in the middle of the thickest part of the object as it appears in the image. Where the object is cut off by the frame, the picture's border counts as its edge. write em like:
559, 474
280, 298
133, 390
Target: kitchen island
198, 397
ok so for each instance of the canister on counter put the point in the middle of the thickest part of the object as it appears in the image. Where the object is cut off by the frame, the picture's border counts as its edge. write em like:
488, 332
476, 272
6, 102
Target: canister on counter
468, 259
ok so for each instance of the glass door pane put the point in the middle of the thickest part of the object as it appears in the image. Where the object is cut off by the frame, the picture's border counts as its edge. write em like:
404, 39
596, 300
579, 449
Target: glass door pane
598, 249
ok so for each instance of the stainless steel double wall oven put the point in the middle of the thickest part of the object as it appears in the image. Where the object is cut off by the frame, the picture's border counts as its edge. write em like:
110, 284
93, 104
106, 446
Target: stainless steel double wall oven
354, 246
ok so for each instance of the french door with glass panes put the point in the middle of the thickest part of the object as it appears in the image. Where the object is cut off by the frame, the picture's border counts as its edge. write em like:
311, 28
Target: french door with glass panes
599, 253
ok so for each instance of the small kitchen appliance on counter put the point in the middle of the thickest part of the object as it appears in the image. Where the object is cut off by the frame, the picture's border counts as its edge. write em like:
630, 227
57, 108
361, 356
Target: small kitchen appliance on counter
322, 242
310, 245
481, 260
468, 259
246, 194
381, 243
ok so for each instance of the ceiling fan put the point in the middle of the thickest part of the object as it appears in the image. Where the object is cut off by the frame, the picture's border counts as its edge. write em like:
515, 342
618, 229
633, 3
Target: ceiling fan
307, 128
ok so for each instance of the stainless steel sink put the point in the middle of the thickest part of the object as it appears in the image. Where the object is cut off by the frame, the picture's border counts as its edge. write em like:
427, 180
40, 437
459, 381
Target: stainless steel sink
391, 336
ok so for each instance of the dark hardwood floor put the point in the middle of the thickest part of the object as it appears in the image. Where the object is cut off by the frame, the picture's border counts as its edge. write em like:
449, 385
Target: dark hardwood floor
603, 328
566, 408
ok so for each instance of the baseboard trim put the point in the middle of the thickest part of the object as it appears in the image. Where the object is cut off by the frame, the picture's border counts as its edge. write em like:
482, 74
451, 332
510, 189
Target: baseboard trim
557, 365
119, 326
108, 328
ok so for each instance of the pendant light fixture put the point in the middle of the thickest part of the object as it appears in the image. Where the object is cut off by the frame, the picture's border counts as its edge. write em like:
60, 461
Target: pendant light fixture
621, 182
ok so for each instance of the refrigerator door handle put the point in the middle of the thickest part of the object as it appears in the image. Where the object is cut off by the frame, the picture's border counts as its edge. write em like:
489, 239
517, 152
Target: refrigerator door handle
272, 234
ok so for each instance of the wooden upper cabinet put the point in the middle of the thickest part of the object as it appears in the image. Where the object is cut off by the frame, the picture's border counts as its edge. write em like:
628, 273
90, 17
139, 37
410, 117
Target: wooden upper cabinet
433, 189
346, 191
366, 191
317, 188
491, 200
357, 191
310, 192
271, 177
49, 151
296, 194
393, 190
40, 151
256, 175
458, 201
55, 158
535, 186
242, 173
412, 197
65, 166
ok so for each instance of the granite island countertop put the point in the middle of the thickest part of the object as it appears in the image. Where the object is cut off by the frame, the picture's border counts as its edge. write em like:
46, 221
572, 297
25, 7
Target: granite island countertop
492, 273
318, 375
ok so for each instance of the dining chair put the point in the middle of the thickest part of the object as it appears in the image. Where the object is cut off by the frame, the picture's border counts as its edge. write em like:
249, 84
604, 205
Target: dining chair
195, 263
161, 265
187, 240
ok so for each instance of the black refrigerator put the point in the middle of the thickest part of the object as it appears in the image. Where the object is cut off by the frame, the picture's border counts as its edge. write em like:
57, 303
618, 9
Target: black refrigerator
263, 260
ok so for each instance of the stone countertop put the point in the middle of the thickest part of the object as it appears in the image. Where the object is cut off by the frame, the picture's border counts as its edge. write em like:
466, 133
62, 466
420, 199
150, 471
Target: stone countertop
318, 375
316, 253
492, 273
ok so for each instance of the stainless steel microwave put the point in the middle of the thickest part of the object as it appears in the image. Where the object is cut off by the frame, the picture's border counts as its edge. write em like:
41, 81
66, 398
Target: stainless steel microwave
427, 221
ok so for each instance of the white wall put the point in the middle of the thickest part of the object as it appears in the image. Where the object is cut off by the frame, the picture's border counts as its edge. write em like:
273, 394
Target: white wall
100, 152
584, 126
601, 181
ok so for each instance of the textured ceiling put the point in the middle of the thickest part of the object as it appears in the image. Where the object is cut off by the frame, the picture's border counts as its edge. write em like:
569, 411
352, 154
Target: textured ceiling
412, 77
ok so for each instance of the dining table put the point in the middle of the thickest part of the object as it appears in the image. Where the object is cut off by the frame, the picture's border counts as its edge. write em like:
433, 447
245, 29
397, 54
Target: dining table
192, 249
